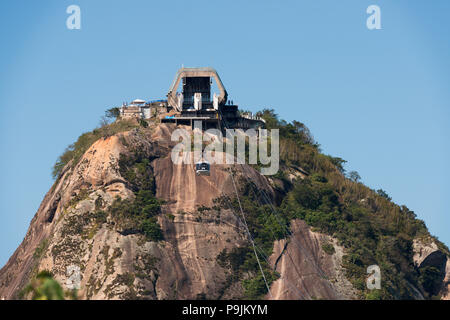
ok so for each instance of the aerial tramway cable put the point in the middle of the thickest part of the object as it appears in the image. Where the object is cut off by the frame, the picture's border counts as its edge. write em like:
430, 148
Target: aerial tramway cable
286, 230
250, 236
264, 256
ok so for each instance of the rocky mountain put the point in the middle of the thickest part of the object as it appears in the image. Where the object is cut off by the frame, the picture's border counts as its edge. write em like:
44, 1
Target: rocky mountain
138, 226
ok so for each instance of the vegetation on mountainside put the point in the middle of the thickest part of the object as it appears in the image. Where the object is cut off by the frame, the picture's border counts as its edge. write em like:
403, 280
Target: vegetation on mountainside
110, 124
265, 229
45, 287
372, 228
137, 215
113, 113
242, 266
75, 151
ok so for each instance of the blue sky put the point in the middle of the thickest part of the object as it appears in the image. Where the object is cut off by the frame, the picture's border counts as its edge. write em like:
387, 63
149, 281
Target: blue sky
379, 99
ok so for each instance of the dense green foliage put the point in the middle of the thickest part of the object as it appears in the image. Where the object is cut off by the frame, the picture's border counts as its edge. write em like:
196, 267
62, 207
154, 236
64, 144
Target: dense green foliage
112, 113
45, 287
137, 215
373, 229
328, 248
243, 266
430, 278
264, 228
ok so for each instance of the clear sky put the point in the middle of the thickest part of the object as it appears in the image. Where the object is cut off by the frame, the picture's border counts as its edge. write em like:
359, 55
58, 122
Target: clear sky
377, 98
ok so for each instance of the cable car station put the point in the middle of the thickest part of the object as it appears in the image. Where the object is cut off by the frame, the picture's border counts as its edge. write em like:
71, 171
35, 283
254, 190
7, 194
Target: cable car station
194, 102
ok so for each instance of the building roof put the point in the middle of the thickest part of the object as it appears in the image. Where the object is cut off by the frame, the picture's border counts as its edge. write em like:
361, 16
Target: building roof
195, 72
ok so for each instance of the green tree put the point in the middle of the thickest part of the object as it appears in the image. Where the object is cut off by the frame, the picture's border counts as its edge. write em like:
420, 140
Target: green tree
45, 287
430, 278
151, 229
338, 162
383, 194
354, 176
112, 113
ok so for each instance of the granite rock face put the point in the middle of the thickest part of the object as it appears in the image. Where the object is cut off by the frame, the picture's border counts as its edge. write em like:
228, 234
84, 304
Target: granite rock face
428, 254
67, 233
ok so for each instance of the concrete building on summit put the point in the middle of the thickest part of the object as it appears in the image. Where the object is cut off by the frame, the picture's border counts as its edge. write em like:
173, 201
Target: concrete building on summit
190, 99
194, 102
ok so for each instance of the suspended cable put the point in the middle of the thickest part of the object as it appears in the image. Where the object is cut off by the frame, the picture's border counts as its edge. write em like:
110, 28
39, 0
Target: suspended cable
248, 231
264, 256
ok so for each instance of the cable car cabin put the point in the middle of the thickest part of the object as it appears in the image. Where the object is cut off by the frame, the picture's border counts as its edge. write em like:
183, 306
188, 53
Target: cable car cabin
202, 168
